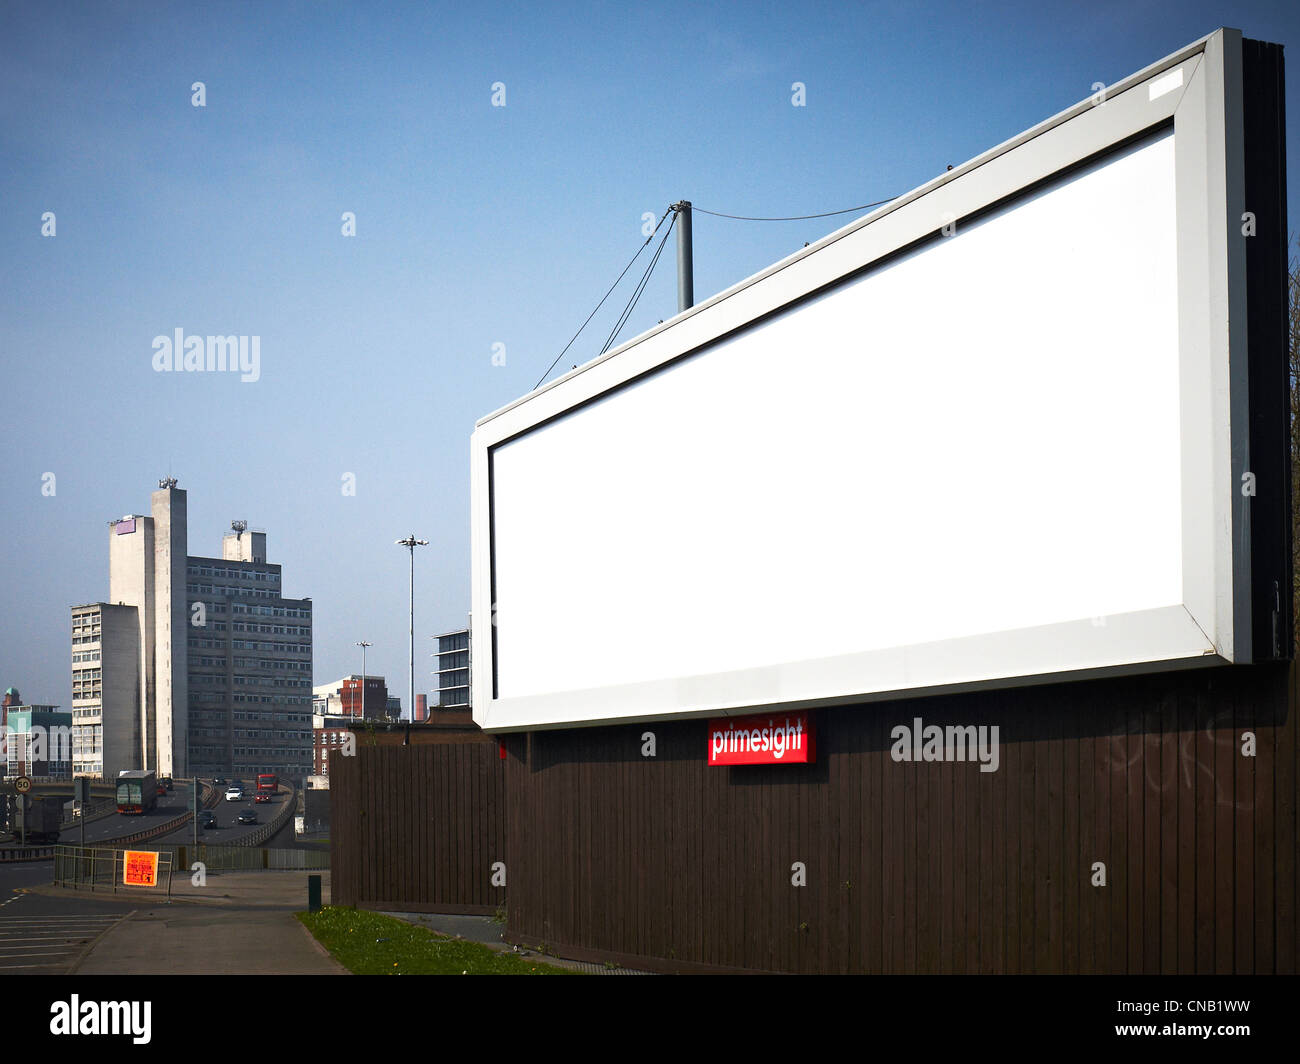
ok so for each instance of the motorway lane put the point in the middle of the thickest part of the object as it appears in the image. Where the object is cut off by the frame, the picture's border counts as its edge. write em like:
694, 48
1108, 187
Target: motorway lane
174, 804
228, 831
117, 825
111, 827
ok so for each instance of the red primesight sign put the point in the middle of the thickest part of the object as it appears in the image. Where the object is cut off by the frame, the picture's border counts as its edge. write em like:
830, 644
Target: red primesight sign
768, 739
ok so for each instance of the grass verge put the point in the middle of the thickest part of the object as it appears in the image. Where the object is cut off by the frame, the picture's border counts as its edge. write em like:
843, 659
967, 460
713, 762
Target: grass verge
367, 943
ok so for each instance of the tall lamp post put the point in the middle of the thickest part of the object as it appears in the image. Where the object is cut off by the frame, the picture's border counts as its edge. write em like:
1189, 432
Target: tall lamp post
410, 543
363, 646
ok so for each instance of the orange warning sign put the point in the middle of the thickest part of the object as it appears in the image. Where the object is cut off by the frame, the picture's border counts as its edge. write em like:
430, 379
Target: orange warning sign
140, 868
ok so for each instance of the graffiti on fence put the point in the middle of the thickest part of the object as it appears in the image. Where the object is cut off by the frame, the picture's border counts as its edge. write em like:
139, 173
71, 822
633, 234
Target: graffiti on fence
1143, 738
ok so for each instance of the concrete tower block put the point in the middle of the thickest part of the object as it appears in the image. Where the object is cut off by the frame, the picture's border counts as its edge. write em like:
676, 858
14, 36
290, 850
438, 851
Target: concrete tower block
171, 647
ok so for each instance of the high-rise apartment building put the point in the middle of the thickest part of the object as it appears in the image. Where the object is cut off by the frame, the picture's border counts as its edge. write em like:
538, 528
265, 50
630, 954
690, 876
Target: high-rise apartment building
107, 687
250, 664
219, 681
453, 670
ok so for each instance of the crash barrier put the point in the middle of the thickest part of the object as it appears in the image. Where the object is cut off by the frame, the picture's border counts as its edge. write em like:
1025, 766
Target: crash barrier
218, 858
26, 853
97, 810
281, 817
103, 868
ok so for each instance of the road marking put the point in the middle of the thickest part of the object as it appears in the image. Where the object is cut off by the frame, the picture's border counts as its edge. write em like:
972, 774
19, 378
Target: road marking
63, 938
42, 964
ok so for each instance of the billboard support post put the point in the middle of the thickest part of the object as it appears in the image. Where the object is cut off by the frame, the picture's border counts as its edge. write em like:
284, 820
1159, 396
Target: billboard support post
685, 257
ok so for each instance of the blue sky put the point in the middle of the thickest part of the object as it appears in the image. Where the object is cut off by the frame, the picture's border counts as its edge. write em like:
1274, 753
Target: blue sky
475, 225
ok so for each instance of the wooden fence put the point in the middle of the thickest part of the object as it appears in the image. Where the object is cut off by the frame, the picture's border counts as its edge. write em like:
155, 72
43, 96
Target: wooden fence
1132, 825
418, 828
933, 866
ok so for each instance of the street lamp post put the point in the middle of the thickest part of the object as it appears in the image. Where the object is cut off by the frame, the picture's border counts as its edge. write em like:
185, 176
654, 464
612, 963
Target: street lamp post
363, 646
410, 543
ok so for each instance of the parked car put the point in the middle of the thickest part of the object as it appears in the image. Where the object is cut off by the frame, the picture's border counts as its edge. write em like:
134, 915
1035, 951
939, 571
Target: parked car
207, 819
248, 816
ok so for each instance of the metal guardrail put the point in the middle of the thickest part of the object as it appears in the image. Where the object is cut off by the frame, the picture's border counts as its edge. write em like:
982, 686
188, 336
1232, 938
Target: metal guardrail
26, 853
148, 833
225, 858
95, 811
286, 810
100, 868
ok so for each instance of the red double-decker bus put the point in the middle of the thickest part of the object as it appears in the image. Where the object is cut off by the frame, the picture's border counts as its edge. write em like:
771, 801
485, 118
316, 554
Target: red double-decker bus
267, 783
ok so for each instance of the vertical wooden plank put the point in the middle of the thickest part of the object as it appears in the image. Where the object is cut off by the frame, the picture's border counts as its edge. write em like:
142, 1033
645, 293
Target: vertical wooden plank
909, 779
1117, 870
1013, 767
874, 852
944, 867
1187, 811
1170, 834
924, 849
1086, 774
891, 864
1205, 877
1068, 888
970, 832
372, 825
1244, 816
1286, 838
993, 882
1134, 786
852, 784
406, 839
1051, 817
460, 878
471, 799
477, 890
1102, 849
1153, 829
1225, 838
1031, 840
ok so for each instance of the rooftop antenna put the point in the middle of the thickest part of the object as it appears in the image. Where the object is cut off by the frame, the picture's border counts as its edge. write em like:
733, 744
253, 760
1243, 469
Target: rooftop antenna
239, 528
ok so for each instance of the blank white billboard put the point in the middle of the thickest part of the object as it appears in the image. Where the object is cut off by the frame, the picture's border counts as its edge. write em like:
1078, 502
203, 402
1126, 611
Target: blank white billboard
984, 435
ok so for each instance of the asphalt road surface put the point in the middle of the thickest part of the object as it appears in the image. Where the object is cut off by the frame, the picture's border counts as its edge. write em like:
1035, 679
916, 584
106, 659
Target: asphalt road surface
227, 832
42, 935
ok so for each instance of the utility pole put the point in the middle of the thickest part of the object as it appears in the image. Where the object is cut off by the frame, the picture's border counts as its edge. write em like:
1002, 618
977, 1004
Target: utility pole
685, 257
194, 807
410, 543
363, 646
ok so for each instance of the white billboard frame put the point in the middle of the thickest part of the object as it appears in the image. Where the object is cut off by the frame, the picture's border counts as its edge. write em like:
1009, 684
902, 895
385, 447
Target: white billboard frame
1198, 93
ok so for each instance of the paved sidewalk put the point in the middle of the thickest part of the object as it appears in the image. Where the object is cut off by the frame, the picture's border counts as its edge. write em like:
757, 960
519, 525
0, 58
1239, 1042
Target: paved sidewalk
208, 940
238, 923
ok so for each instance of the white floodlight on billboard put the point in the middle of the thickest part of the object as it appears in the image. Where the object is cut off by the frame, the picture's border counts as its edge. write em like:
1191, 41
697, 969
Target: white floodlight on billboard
992, 433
